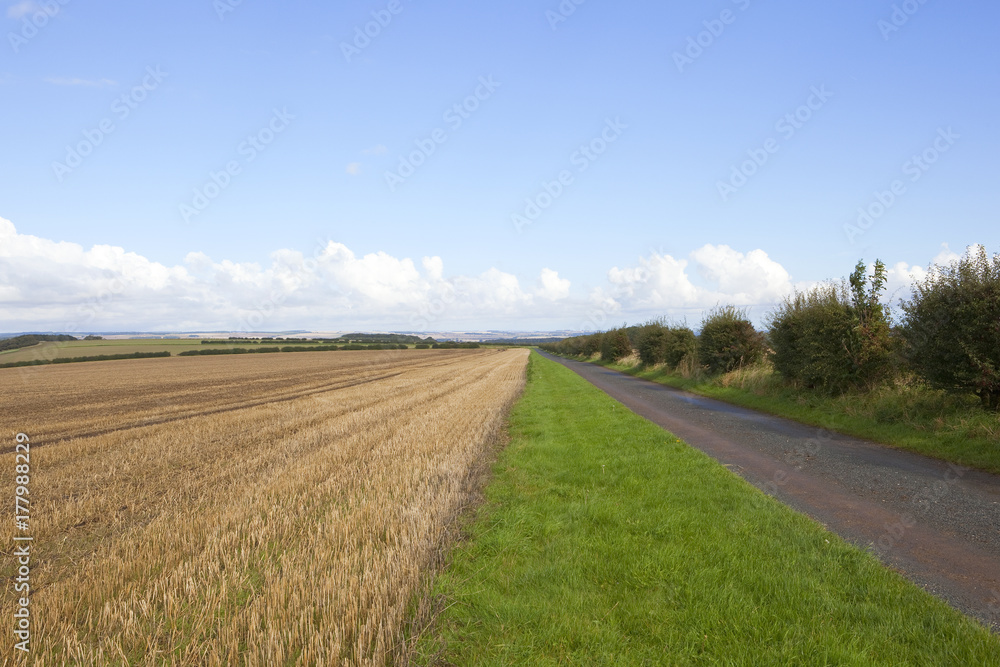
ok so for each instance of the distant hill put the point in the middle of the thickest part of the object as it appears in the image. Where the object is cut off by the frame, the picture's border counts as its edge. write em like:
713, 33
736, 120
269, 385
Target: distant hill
381, 338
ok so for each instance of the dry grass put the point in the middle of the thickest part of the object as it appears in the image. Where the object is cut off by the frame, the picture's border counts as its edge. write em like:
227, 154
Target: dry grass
756, 377
259, 510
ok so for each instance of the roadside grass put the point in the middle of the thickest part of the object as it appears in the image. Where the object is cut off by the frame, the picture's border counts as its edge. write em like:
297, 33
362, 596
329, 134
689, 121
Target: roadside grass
905, 415
605, 540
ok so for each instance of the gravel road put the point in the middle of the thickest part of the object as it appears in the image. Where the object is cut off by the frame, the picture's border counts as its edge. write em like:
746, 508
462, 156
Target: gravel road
936, 523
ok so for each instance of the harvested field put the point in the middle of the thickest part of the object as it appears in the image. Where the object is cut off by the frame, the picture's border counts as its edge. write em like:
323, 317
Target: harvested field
259, 510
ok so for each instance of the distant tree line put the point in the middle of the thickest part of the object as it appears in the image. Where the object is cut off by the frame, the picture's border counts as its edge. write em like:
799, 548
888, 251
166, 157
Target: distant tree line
839, 337
27, 340
74, 360
376, 338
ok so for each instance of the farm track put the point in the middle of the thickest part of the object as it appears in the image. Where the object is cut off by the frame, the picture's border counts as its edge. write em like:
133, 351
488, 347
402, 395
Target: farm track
283, 510
936, 523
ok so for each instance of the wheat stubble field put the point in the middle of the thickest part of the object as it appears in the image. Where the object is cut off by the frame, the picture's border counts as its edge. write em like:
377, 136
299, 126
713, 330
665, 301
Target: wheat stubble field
259, 509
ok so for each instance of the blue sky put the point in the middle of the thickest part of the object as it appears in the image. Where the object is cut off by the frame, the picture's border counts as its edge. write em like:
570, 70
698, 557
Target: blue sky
695, 190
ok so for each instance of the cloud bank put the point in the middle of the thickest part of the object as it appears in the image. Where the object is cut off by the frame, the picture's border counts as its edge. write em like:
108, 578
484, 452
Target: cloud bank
47, 285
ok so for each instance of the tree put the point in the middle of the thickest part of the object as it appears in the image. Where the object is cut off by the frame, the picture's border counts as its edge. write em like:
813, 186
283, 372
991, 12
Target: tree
951, 327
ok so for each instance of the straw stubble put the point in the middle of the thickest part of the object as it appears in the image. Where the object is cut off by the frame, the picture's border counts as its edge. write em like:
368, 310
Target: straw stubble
259, 510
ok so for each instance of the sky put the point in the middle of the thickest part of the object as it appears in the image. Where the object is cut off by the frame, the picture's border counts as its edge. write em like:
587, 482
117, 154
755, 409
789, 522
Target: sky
526, 165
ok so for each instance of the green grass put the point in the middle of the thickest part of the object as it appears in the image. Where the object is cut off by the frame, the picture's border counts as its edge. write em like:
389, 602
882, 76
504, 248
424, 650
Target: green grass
605, 540
905, 416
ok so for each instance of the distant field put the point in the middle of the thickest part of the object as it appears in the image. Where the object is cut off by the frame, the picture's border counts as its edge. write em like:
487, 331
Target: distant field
253, 509
86, 348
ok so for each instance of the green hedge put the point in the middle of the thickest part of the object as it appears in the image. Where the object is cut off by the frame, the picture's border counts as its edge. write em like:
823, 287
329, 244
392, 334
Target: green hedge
728, 340
74, 360
951, 327
834, 339
661, 343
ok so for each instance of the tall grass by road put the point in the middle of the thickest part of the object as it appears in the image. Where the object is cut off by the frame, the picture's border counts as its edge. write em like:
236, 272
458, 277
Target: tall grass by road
605, 540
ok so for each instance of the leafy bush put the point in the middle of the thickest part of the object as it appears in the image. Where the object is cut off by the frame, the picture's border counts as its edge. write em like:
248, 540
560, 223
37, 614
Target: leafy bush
590, 345
660, 343
423, 346
951, 327
728, 339
615, 345
833, 338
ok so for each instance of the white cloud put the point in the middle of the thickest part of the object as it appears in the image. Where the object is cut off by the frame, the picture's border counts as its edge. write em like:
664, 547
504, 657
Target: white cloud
744, 279
947, 255
92, 83
50, 285
354, 168
661, 281
553, 287
434, 266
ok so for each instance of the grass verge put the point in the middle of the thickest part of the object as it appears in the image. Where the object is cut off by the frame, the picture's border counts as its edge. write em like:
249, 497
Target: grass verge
605, 540
905, 416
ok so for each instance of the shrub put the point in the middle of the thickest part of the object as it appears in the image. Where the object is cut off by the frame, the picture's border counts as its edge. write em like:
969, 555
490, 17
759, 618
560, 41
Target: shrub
615, 345
728, 339
951, 327
660, 343
835, 338
590, 345
423, 346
